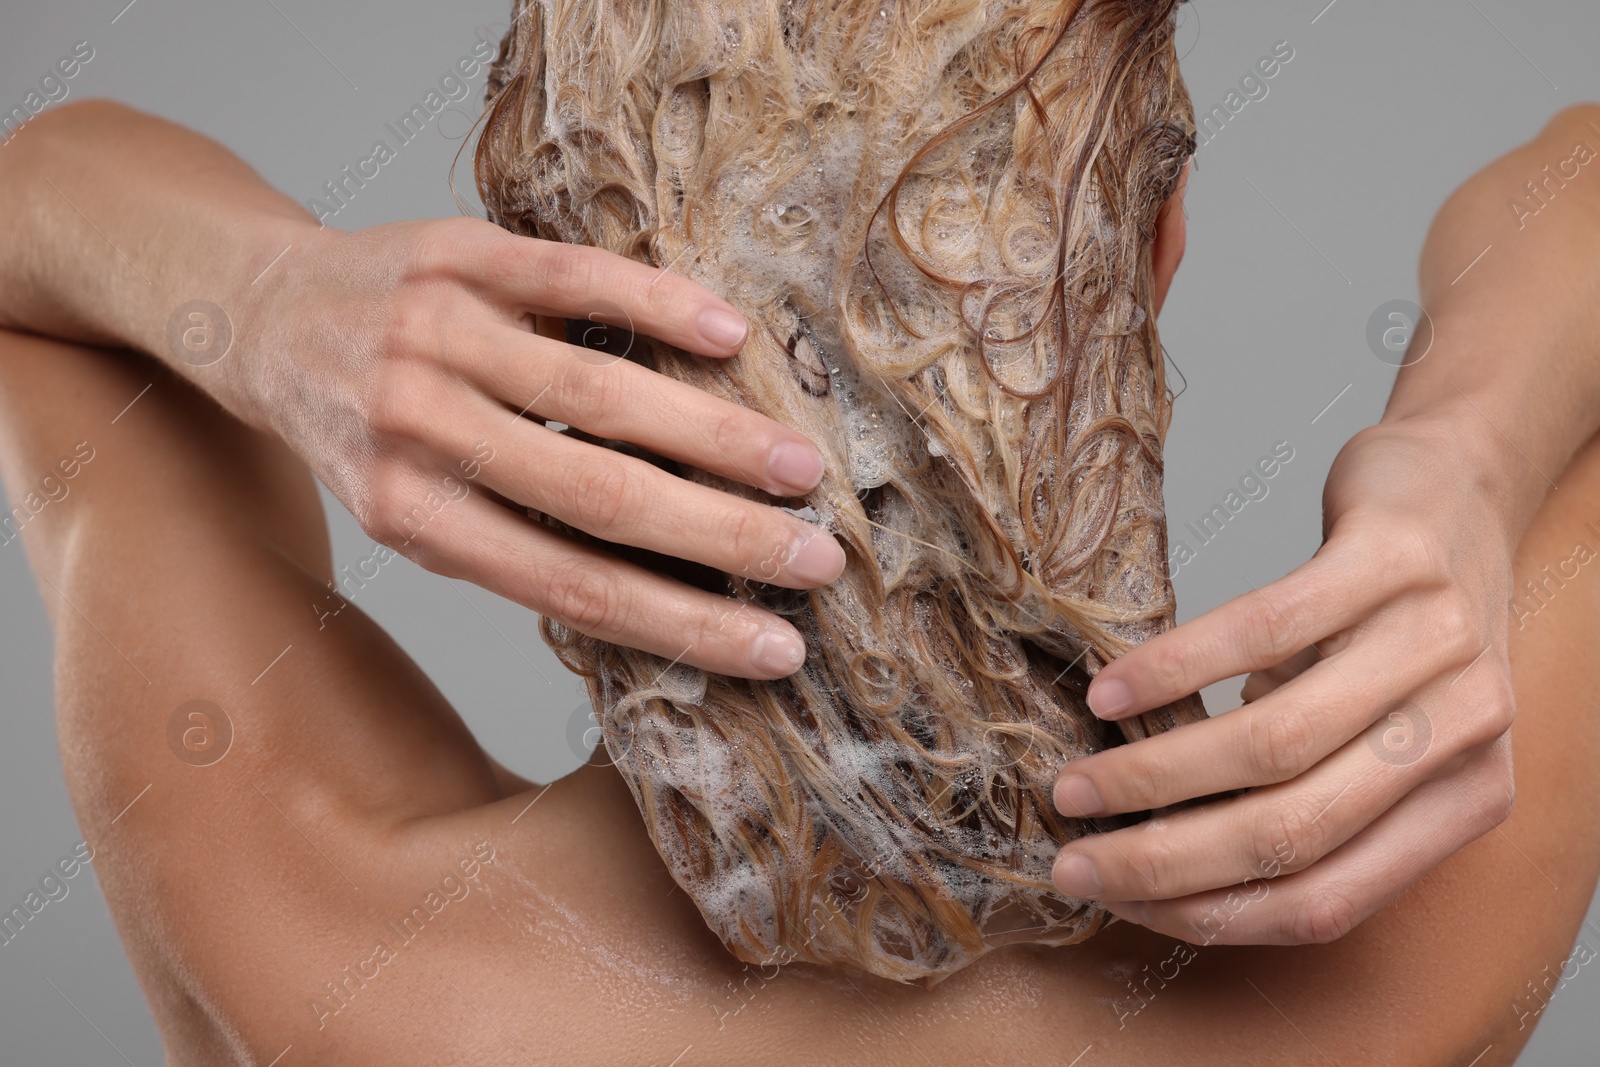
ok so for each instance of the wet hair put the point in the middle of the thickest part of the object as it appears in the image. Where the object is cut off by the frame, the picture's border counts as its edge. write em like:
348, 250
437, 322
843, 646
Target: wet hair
938, 217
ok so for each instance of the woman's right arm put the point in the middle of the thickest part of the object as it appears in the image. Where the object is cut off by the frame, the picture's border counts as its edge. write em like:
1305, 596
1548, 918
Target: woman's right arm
396, 361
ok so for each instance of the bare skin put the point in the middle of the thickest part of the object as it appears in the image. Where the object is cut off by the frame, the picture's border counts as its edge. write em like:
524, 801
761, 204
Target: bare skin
190, 553
387, 357
1397, 631
392, 358
543, 928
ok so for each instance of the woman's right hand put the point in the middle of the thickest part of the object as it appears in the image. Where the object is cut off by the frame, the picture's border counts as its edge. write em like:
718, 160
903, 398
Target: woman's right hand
402, 363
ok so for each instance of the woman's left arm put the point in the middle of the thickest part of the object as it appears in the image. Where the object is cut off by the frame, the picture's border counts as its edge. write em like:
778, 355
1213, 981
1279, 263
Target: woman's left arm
1374, 741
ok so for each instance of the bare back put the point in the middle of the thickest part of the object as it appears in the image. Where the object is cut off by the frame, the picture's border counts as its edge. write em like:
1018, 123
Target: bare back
356, 882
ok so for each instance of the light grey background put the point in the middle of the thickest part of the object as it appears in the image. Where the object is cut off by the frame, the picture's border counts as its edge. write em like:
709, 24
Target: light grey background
1306, 213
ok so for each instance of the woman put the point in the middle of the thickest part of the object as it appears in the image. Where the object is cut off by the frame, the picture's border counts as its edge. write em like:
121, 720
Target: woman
424, 882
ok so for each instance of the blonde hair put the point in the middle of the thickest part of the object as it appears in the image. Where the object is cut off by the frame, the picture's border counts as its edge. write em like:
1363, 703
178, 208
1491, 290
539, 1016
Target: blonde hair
937, 215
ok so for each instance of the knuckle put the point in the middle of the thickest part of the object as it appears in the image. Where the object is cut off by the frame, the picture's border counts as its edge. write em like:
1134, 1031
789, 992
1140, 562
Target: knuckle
1138, 784
392, 516
406, 330
661, 294
724, 631
593, 388
1502, 797
585, 598
1498, 710
1416, 552
1283, 745
1289, 841
1504, 701
403, 404
378, 519
707, 630
442, 248
566, 273
732, 623
748, 535
1171, 662
598, 494
1494, 793
1452, 623
1499, 798
1359, 441
733, 432
1269, 633
1151, 863
1324, 917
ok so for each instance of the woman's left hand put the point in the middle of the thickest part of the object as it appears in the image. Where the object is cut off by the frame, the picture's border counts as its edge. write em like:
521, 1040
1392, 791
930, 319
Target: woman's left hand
1374, 742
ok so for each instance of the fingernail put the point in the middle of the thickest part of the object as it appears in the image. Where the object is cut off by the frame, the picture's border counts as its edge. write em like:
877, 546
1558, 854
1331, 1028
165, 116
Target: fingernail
722, 327
796, 465
1075, 876
1076, 795
778, 652
1110, 698
817, 558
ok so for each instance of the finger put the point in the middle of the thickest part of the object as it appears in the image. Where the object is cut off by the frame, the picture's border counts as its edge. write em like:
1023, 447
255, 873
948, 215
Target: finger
1293, 824
627, 501
1264, 742
1263, 834
598, 490
1329, 899
594, 593
621, 400
578, 282
1251, 632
